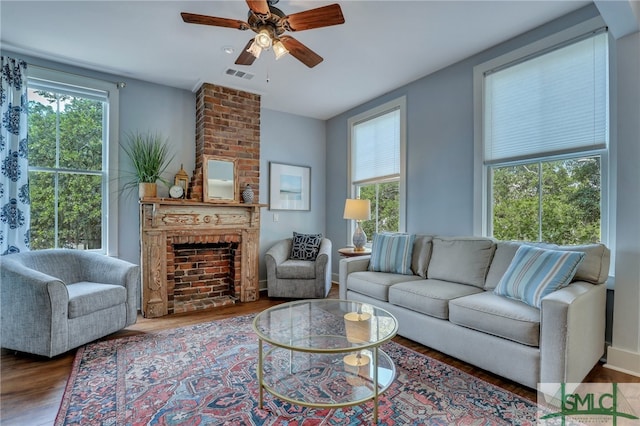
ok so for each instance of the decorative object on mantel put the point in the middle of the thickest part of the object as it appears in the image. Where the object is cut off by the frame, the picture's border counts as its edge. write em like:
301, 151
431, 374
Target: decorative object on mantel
150, 155
182, 179
247, 194
219, 181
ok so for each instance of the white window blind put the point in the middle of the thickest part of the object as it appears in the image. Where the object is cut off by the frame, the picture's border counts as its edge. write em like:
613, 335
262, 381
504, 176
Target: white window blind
555, 103
376, 147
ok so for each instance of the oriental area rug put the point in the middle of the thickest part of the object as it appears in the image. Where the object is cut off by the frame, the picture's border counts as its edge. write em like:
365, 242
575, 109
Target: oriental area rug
206, 375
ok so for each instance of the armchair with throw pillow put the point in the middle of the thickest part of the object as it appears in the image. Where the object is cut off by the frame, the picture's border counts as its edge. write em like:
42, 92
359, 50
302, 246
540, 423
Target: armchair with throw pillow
299, 267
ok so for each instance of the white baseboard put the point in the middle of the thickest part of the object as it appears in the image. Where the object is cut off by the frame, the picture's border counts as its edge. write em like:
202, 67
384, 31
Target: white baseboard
624, 361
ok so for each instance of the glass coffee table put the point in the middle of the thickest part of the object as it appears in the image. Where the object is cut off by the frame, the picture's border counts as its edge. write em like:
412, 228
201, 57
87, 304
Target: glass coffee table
325, 353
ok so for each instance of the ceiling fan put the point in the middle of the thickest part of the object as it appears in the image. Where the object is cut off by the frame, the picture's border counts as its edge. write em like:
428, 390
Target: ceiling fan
270, 23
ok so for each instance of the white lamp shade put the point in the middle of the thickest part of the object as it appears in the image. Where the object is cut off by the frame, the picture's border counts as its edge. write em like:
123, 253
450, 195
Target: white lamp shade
357, 209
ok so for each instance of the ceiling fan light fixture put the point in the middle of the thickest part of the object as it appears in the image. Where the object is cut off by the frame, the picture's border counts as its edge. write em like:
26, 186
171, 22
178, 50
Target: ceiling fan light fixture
255, 49
279, 50
263, 39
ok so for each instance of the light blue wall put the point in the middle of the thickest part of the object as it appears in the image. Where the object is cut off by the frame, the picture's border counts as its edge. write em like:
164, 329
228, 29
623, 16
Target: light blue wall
624, 354
440, 144
291, 139
170, 112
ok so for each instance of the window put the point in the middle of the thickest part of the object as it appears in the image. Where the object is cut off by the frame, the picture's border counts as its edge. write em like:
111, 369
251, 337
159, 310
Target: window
545, 135
70, 155
376, 173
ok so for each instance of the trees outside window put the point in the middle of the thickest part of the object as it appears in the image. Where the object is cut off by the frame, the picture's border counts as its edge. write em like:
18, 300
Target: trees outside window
72, 141
556, 201
65, 170
385, 203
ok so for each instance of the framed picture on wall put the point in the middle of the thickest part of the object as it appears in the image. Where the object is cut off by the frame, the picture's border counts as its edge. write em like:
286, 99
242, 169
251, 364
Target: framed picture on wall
289, 187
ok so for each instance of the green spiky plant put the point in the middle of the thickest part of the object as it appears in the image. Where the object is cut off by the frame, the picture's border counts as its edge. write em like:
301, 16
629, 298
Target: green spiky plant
149, 153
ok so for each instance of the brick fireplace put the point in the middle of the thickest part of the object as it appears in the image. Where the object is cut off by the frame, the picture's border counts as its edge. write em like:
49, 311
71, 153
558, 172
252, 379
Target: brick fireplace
202, 272
197, 255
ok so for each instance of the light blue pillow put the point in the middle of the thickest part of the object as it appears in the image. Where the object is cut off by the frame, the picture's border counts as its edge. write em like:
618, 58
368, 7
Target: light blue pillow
391, 252
535, 272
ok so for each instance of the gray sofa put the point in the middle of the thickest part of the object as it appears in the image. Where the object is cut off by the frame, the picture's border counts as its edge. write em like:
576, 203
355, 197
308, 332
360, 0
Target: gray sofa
57, 300
448, 304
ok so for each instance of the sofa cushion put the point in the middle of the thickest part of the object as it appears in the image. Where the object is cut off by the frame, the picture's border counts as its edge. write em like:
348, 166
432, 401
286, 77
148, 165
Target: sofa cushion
497, 315
296, 269
391, 252
535, 272
376, 284
594, 268
505, 250
421, 255
430, 297
305, 246
461, 260
87, 297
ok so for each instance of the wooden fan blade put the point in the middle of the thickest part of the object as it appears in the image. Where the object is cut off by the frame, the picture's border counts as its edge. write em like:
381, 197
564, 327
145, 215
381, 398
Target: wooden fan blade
259, 7
192, 18
315, 18
301, 52
245, 57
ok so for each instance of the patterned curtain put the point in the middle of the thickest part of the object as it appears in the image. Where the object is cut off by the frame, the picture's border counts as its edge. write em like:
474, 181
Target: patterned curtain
14, 184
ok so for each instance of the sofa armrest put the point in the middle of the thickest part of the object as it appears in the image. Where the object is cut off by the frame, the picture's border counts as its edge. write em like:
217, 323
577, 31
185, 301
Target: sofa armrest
34, 310
279, 252
572, 332
323, 261
348, 266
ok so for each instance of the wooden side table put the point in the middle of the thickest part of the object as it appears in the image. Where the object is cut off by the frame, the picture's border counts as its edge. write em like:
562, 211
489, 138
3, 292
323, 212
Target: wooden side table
351, 252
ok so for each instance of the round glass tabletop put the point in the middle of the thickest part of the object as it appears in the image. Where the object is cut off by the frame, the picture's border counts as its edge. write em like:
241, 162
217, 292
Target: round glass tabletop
325, 325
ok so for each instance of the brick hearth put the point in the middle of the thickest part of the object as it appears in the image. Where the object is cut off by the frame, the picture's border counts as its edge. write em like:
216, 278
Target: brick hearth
202, 275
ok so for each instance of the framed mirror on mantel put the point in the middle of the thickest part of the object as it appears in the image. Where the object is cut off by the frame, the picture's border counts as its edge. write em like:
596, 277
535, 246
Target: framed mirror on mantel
220, 183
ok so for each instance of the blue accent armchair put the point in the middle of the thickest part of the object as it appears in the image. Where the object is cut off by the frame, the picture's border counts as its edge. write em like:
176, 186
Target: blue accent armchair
56, 300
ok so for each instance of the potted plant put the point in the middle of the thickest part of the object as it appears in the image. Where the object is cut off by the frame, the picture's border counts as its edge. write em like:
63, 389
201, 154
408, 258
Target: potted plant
149, 153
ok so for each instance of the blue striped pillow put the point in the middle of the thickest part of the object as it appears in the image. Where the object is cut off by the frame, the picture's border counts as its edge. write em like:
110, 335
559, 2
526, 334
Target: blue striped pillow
391, 252
535, 272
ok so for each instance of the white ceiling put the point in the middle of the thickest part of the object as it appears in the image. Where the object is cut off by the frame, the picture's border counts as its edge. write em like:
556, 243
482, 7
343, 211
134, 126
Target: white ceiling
381, 46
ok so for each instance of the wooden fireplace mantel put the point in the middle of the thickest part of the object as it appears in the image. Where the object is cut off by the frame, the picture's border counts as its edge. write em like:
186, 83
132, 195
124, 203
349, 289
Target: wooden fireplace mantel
162, 219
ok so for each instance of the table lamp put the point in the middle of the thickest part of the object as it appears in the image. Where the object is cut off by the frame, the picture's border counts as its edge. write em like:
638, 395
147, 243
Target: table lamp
358, 210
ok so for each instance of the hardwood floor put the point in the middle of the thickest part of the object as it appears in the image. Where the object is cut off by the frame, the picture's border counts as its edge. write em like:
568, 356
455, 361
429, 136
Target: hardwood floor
32, 387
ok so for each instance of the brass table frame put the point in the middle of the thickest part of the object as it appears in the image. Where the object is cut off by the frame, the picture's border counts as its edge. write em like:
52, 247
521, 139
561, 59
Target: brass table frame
373, 346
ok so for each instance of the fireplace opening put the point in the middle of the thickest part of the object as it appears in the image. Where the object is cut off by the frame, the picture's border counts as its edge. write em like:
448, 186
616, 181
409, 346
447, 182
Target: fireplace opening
202, 275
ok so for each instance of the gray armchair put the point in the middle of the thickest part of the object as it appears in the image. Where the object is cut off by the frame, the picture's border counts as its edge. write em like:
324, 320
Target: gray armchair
303, 279
56, 300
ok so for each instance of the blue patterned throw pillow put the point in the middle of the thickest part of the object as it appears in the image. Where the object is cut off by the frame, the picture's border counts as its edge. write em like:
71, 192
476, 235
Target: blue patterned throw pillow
305, 246
534, 273
391, 252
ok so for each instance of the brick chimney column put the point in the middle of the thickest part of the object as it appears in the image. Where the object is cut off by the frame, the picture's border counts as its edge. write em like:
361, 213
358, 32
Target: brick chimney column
227, 125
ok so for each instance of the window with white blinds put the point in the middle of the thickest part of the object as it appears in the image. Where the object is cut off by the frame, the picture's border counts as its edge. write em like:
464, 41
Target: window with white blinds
376, 147
554, 103
542, 140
